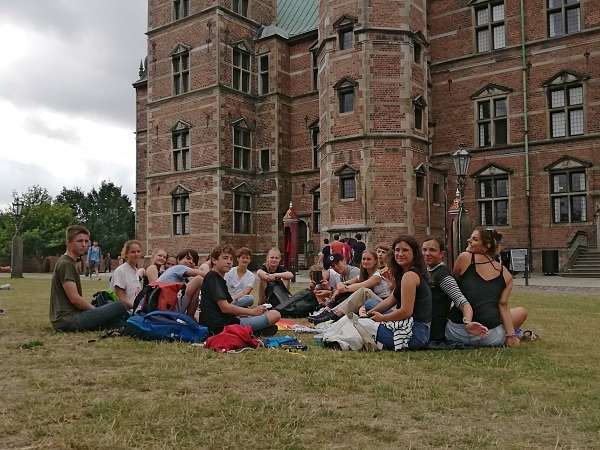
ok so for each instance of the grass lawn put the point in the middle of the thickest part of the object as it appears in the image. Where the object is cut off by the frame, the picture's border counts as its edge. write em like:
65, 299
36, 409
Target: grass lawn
59, 391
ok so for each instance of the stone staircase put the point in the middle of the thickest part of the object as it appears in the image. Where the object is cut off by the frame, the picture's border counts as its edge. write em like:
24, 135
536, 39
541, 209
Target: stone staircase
586, 265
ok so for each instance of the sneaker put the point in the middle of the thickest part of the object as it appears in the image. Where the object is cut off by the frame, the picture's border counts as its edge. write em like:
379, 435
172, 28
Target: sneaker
271, 330
326, 316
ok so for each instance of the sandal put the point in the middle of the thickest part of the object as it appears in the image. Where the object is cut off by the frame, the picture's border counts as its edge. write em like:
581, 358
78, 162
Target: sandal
529, 335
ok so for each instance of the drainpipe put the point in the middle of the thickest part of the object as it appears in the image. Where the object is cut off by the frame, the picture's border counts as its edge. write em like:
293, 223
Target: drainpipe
526, 143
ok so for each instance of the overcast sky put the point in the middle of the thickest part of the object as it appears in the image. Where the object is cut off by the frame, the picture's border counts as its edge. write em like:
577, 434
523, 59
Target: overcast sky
67, 107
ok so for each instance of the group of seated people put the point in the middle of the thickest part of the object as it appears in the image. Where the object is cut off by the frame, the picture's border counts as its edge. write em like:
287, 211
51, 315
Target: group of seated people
403, 287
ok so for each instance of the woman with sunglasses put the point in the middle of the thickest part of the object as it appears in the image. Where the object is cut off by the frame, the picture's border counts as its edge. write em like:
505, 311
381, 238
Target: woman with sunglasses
487, 286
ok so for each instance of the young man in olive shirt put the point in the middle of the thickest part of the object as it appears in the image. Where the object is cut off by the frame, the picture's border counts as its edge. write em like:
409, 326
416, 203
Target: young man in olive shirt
69, 311
217, 309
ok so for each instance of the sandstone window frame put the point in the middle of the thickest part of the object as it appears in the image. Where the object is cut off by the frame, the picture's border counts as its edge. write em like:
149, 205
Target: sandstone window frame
263, 74
562, 10
241, 68
240, 7
497, 121
242, 199
344, 30
566, 98
568, 190
347, 182
242, 145
181, 146
346, 93
489, 20
492, 191
180, 211
181, 9
180, 66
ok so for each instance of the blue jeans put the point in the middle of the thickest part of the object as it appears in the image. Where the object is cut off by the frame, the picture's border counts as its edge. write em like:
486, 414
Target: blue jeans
256, 322
245, 301
113, 315
419, 339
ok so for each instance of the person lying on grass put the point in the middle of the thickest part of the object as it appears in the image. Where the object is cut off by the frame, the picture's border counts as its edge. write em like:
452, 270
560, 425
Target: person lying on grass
369, 287
185, 271
217, 309
407, 324
69, 311
487, 286
271, 272
125, 281
445, 292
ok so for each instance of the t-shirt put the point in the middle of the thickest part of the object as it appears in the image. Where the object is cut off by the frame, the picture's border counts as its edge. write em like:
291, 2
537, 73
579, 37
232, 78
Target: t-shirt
214, 288
422, 307
126, 277
94, 254
174, 274
381, 289
280, 269
359, 247
235, 284
61, 308
335, 278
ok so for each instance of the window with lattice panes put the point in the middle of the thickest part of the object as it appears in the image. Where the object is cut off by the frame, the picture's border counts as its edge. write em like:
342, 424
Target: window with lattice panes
492, 122
263, 75
181, 150
181, 214
347, 187
181, 72
566, 111
490, 27
315, 144
492, 199
241, 70
241, 148
242, 213
564, 17
181, 9
316, 211
569, 196
346, 38
240, 7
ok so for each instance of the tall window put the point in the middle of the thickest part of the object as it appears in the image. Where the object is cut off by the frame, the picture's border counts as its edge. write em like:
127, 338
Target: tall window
241, 70
315, 70
263, 75
418, 117
181, 150
316, 211
346, 97
420, 185
265, 160
489, 26
241, 148
566, 110
241, 7
435, 193
492, 123
346, 38
568, 194
348, 187
181, 213
242, 216
181, 9
181, 72
493, 200
417, 52
564, 17
315, 142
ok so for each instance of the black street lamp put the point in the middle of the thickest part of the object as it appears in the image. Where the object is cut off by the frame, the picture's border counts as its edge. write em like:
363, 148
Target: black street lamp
16, 255
461, 159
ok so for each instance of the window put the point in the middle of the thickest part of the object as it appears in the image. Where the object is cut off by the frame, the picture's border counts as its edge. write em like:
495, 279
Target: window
489, 27
346, 100
346, 36
420, 185
263, 76
436, 196
315, 70
348, 187
566, 110
315, 143
317, 211
241, 148
181, 9
418, 117
492, 195
568, 194
241, 7
417, 52
563, 17
241, 70
181, 213
242, 215
265, 160
181, 72
492, 123
181, 150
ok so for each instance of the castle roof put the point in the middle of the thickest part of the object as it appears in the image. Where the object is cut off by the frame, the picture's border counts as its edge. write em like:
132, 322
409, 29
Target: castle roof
297, 17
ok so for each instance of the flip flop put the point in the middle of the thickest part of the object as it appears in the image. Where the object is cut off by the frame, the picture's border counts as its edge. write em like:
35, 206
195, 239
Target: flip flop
529, 335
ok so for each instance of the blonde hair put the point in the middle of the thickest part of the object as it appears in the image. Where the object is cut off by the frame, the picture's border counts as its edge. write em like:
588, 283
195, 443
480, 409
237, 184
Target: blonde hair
127, 246
274, 250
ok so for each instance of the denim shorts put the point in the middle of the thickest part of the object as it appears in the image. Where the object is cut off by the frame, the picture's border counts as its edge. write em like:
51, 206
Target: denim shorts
256, 322
456, 332
419, 339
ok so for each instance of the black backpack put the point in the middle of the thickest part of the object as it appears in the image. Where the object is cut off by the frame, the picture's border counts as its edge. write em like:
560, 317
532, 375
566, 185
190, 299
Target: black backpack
301, 304
276, 293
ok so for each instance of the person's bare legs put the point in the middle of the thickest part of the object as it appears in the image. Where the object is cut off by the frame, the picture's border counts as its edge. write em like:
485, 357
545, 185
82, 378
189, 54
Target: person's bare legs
261, 287
519, 316
191, 298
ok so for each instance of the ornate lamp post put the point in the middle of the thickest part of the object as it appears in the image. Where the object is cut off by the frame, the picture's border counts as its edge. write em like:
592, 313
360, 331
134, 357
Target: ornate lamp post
16, 255
461, 159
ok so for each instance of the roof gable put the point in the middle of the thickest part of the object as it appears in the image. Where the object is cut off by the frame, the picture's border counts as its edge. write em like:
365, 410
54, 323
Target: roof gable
345, 21
345, 82
346, 169
181, 125
181, 190
565, 76
491, 170
181, 48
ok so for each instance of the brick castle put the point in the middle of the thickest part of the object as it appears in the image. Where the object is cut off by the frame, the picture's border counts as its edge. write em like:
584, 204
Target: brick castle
350, 109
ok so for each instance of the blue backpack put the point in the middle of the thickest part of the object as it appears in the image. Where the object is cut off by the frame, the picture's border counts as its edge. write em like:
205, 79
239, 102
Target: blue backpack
165, 326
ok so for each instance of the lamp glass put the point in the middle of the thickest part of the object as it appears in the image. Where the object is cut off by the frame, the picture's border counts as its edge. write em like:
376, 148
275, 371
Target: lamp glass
461, 159
18, 206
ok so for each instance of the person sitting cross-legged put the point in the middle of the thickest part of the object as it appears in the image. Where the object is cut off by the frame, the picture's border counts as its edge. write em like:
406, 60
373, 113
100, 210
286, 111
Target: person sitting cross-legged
217, 308
69, 311
240, 281
270, 273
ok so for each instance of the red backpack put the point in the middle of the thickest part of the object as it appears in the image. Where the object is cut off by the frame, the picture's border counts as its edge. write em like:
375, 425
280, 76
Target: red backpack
158, 296
233, 337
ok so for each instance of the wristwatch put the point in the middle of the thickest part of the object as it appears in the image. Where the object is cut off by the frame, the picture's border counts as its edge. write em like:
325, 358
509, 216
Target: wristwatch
465, 321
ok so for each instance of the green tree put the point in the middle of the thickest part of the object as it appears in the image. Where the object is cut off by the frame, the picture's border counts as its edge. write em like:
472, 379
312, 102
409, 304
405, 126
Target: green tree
76, 200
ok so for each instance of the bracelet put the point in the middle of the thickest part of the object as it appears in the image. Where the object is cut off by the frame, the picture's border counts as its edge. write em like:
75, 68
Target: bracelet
510, 335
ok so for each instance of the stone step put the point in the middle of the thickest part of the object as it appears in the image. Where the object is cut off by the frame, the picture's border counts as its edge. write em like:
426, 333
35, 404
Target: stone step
580, 274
